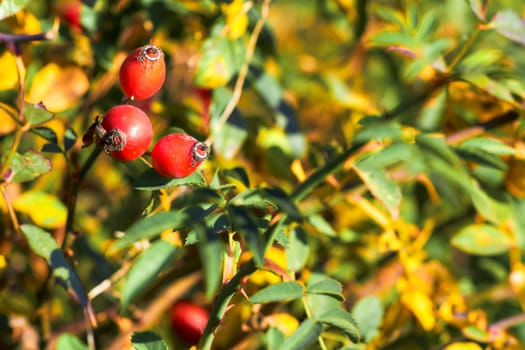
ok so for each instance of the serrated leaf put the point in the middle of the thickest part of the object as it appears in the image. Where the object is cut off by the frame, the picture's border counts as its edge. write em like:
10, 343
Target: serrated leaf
343, 321
482, 239
305, 335
68, 341
150, 180
152, 226
148, 341
146, 269
297, 249
28, 166
45, 209
278, 292
10, 7
36, 113
328, 287
45, 246
368, 313
375, 128
509, 24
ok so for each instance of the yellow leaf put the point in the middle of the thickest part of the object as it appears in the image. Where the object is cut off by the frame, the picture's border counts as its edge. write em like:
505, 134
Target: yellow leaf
7, 123
515, 180
8, 74
59, 88
285, 322
44, 209
24, 22
236, 18
421, 306
463, 346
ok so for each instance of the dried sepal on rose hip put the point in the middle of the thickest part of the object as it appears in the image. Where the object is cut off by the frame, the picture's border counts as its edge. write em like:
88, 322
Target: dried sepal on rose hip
143, 72
178, 155
125, 132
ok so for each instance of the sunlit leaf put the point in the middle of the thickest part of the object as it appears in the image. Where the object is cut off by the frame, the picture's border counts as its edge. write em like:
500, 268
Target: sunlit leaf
146, 269
368, 313
45, 209
509, 24
482, 239
150, 180
152, 226
36, 113
278, 292
28, 166
297, 249
58, 87
305, 335
463, 346
147, 341
10, 7
8, 64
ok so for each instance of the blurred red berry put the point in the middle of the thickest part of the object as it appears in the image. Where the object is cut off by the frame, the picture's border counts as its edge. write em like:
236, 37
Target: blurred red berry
188, 321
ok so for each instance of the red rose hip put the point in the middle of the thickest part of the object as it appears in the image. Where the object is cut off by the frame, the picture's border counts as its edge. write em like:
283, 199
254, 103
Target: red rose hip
178, 155
127, 132
143, 72
188, 321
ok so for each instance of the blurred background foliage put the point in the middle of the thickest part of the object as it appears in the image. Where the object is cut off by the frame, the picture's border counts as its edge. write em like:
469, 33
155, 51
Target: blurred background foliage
376, 149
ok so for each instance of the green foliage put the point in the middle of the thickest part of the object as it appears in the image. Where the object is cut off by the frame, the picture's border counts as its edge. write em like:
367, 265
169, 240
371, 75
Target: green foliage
366, 171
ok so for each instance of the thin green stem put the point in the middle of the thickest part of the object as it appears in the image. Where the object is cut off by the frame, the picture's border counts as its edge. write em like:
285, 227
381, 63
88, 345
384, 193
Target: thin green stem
309, 314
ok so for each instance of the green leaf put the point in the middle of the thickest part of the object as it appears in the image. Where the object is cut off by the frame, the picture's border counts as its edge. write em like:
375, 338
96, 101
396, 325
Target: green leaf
244, 223
383, 188
376, 128
495, 211
479, 60
45, 246
328, 287
518, 223
273, 338
150, 180
28, 166
297, 249
70, 137
493, 87
146, 269
211, 250
509, 24
68, 341
152, 226
368, 313
343, 321
321, 224
278, 292
476, 152
482, 239
148, 341
305, 335
36, 113
10, 7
